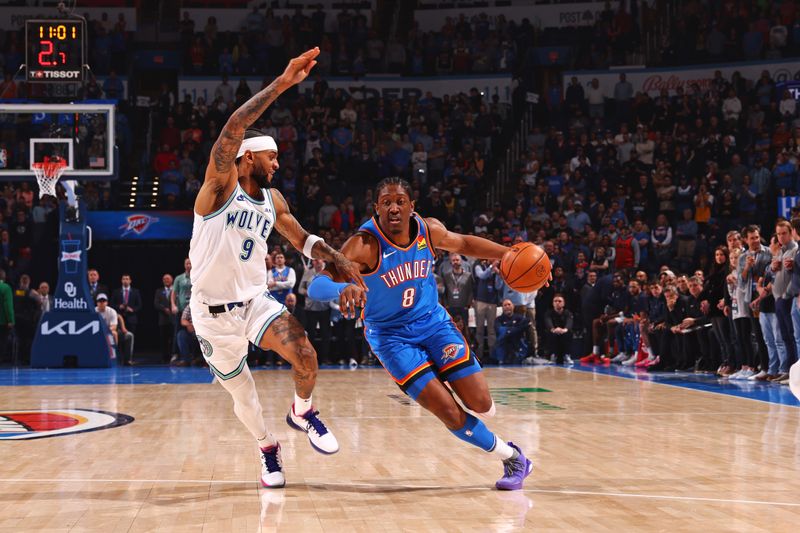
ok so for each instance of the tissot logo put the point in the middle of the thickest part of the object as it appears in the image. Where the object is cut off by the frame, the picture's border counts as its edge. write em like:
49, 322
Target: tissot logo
39, 424
69, 327
56, 74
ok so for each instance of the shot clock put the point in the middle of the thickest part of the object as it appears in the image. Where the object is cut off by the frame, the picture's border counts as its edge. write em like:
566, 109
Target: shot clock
54, 50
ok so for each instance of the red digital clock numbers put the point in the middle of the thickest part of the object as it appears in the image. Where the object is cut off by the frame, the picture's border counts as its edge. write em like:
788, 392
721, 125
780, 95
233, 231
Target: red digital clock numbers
54, 50
47, 57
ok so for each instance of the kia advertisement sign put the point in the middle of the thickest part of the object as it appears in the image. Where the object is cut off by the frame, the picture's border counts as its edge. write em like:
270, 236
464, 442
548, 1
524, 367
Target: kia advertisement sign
654, 80
140, 225
72, 333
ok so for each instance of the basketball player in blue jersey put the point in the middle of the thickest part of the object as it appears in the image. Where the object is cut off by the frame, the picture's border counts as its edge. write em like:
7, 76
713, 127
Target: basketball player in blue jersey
411, 334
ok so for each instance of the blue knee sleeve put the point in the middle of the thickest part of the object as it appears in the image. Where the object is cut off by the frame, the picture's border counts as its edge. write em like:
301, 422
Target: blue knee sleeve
476, 433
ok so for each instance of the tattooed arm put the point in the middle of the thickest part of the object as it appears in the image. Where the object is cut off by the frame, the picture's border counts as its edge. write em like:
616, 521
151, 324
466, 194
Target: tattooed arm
288, 226
221, 175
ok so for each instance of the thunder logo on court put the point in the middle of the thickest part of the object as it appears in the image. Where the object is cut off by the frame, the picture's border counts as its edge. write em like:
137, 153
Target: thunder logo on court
39, 423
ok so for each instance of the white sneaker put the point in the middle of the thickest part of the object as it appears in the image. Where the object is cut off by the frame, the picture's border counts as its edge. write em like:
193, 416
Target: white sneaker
272, 468
619, 358
568, 360
630, 361
755, 377
320, 438
736, 375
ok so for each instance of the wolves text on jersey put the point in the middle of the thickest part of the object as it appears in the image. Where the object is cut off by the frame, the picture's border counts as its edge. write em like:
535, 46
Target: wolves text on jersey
418, 269
250, 220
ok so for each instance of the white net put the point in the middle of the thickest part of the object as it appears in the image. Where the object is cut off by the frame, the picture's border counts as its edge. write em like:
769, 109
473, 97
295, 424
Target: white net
47, 175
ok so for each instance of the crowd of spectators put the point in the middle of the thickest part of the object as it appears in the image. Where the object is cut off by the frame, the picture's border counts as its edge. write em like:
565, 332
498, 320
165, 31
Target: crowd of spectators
702, 32
636, 198
334, 147
350, 45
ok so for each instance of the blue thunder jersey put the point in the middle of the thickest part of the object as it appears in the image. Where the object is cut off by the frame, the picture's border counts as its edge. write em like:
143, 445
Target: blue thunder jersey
402, 287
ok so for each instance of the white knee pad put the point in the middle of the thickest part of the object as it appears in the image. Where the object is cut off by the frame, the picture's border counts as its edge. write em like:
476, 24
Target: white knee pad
794, 379
488, 414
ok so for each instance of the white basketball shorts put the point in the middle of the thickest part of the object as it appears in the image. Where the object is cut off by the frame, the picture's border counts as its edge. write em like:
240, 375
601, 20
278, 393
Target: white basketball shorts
224, 337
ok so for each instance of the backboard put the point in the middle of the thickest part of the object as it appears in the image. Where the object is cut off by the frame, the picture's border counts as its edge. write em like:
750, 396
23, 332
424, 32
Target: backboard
82, 134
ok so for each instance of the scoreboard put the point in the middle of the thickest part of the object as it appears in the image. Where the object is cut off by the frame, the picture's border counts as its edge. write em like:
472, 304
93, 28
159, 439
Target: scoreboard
54, 50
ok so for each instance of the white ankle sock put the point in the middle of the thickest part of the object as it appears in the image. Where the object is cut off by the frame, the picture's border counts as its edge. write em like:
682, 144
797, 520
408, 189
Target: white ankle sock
502, 449
596, 349
301, 405
268, 441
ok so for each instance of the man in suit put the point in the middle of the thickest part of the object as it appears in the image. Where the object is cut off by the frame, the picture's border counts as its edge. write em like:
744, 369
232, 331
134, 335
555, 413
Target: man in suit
27, 313
558, 325
95, 287
166, 320
591, 308
45, 298
293, 308
128, 302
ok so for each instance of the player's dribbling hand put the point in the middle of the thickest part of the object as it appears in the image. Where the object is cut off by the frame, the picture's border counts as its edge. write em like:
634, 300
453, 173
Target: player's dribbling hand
351, 297
300, 67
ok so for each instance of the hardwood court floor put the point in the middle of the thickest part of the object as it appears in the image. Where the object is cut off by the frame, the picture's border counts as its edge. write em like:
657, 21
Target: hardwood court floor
610, 454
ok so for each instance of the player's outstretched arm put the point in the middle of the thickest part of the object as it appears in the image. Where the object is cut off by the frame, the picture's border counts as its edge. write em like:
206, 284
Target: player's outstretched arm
220, 176
468, 245
288, 226
362, 250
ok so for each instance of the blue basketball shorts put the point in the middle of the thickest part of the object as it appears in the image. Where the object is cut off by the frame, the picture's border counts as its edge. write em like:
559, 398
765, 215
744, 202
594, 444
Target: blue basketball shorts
419, 351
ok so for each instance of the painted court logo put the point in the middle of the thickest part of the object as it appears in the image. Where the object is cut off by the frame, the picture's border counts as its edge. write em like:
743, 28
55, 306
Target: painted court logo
40, 423
450, 352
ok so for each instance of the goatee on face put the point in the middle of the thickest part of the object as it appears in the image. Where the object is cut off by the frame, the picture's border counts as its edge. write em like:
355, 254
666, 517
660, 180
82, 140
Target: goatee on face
260, 176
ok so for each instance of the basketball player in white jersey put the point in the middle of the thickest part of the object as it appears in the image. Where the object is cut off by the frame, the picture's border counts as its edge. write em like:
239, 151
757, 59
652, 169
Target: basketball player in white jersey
234, 213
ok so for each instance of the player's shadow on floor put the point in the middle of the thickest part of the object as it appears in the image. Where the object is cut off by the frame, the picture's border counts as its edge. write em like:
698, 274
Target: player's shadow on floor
183, 493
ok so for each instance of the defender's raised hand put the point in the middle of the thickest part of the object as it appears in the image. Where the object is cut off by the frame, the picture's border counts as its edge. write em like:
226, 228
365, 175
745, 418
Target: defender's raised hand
300, 67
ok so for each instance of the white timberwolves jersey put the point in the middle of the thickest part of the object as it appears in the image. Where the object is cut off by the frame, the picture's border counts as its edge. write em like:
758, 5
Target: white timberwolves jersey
228, 249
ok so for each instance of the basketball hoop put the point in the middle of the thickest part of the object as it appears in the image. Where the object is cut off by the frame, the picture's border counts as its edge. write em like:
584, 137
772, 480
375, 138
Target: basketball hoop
48, 172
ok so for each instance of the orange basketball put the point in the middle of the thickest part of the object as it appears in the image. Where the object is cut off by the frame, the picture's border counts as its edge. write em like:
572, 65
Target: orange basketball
525, 267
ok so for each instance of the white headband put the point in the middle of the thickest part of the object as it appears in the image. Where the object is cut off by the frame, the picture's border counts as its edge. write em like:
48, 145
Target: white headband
257, 144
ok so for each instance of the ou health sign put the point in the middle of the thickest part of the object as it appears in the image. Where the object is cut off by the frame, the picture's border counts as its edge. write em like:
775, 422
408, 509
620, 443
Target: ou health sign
140, 225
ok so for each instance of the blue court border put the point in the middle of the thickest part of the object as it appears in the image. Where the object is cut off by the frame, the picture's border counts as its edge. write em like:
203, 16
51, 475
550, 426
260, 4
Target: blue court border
163, 375
126, 375
749, 390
